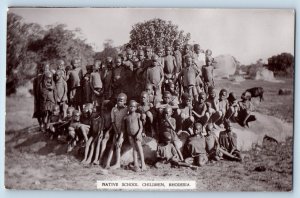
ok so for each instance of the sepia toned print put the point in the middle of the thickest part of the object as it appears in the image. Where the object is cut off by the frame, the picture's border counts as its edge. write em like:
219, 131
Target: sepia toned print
149, 99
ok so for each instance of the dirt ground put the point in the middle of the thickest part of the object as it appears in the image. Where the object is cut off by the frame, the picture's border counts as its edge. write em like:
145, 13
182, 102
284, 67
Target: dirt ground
34, 162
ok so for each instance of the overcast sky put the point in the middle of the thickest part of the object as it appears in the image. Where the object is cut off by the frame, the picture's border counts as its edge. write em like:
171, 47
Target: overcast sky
246, 34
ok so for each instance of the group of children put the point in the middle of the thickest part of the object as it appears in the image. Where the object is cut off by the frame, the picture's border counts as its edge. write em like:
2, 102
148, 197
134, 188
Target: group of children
170, 92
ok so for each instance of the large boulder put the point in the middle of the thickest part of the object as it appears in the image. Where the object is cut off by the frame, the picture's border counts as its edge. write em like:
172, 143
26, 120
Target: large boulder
225, 65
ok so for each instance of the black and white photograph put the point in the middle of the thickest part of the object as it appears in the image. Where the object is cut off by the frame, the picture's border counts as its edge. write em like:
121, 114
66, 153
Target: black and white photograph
149, 99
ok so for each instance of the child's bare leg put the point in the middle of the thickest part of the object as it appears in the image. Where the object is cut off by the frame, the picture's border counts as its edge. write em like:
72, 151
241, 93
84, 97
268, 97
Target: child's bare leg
118, 153
103, 145
111, 152
65, 107
84, 132
96, 160
150, 116
141, 154
178, 150
143, 118
91, 153
134, 153
86, 150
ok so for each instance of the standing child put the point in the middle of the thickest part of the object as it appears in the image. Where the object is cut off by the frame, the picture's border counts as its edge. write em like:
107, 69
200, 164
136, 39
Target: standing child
155, 75
187, 77
96, 84
223, 104
178, 56
74, 77
208, 72
134, 129
160, 53
107, 128
199, 61
61, 90
86, 85
61, 67
47, 98
170, 66
117, 117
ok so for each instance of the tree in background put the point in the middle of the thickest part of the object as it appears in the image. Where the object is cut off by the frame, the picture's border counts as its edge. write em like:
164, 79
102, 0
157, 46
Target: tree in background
156, 32
28, 45
282, 64
109, 50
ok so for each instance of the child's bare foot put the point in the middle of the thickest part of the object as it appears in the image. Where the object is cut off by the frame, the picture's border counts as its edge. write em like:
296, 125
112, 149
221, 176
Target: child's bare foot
116, 166
136, 169
83, 161
96, 162
107, 167
144, 168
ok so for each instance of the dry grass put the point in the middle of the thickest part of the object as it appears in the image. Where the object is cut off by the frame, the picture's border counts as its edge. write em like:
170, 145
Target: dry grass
31, 163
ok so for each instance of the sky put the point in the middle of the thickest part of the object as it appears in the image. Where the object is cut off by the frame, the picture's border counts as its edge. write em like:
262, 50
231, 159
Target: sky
247, 34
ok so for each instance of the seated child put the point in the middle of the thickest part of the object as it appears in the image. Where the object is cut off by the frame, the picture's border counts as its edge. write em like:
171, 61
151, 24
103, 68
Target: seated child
223, 104
172, 89
228, 143
184, 112
245, 110
76, 130
167, 101
54, 122
212, 144
145, 109
166, 153
150, 91
233, 108
213, 107
134, 129
200, 111
196, 146
168, 124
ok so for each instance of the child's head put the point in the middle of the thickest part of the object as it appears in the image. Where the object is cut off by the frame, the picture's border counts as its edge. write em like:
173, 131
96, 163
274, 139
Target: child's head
109, 62
208, 52
232, 97
171, 86
176, 45
198, 128
129, 53
209, 128
48, 78
197, 49
76, 115
187, 48
89, 107
44, 67
89, 69
56, 110
246, 96
223, 94
154, 59
168, 111
160, 51
167, 97
188, 61
121, 100
61, 64
70, 112
186, 99
141, 55
118, 61
75, 62
168, 50
132, 106
166, 137
97, 64
211, 92
227, 125
148, 51
58, 75
144, 97
86, 112
201, 97
149, 88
